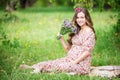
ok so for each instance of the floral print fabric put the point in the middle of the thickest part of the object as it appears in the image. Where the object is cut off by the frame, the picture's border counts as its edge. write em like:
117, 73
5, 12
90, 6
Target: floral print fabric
81, 43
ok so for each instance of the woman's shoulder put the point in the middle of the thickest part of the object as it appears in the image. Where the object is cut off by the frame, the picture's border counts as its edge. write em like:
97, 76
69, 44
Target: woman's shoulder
88, 30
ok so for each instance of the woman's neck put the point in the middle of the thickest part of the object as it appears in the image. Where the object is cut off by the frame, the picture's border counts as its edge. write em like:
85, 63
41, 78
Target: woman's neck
84, 27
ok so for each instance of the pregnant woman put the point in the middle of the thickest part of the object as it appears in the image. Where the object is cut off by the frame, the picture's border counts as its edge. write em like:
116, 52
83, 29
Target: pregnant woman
78, 47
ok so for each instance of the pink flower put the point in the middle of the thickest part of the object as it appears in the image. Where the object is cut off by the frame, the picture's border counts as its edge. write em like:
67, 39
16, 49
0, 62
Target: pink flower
78, 9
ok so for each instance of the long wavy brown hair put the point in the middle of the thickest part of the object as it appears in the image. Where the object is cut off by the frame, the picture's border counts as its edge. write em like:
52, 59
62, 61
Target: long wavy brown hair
89, 23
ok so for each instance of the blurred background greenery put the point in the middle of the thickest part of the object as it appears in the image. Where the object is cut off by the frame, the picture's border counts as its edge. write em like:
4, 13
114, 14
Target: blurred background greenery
28, 30
91, 4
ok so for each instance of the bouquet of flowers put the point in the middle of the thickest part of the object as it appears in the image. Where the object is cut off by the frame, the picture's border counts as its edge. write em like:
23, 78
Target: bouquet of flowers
67, 27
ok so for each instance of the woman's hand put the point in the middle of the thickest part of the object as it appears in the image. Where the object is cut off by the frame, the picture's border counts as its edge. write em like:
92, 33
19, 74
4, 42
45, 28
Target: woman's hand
73, 62
64, 43
59, 36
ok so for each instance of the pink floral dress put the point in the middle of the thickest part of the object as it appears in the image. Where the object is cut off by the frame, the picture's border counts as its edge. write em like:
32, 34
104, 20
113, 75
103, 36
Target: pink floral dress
82, 42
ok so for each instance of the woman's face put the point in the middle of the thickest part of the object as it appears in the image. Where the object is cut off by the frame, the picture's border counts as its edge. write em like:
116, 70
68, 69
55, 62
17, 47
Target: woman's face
81, 21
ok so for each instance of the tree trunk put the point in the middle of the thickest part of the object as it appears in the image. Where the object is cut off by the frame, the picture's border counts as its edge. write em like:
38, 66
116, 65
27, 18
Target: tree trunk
26, 3
23, 3
11, 6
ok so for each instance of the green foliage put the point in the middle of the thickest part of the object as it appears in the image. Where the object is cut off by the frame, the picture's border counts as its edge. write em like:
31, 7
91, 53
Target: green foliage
3, 4
117, 30
83, 3
6, 42
117, 26
90, 4
46, 3
7, 17
98, 4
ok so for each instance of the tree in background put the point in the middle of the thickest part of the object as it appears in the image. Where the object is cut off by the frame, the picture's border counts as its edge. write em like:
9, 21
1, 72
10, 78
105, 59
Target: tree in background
11, 5
98, 4
83, 3
26, 3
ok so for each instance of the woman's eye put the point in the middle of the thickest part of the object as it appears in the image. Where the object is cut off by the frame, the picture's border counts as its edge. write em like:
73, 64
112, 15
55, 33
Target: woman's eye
80, 17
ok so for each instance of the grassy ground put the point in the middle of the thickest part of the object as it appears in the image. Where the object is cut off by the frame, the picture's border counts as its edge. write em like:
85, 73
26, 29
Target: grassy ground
35, 32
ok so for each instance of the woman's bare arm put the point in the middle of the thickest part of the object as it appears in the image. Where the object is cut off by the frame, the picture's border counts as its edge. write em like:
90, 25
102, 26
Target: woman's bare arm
64, 44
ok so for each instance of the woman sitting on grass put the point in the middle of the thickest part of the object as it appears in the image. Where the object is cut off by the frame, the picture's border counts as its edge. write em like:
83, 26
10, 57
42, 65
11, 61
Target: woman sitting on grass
79, 48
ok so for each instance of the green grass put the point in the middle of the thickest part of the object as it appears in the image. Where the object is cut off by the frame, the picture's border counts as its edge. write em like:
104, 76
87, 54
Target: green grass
36, 31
